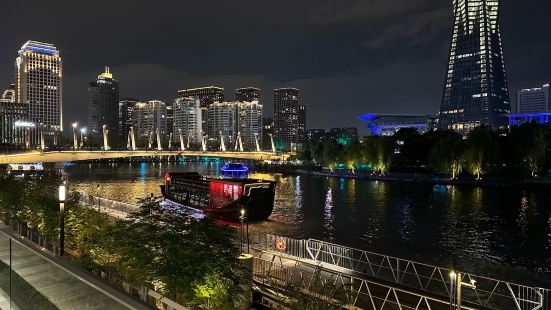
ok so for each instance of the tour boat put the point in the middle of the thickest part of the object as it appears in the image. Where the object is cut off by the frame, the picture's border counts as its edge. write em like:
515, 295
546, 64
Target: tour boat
222, 198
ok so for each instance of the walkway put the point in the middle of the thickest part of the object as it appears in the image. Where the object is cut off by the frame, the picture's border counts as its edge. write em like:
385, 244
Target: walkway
38, 281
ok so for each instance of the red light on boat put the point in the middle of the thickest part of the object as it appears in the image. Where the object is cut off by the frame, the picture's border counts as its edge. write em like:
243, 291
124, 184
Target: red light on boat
167, 177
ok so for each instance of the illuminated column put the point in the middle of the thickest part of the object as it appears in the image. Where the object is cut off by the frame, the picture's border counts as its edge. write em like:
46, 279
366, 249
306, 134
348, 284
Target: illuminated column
82, 137
42, 144
75, 142
239, 142
188, 140
222, 145
128, 142
159, 147
273, 144
181, 139
203, 143
170, 141
256, 142
27, 137
150, 140
105, 142
132, 139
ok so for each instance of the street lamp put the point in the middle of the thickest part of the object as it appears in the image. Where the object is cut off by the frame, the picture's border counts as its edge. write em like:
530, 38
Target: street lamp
61, 220
243, 220
75, 143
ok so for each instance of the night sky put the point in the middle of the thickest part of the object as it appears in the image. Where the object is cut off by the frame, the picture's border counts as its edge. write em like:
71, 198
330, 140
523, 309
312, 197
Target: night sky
347, 57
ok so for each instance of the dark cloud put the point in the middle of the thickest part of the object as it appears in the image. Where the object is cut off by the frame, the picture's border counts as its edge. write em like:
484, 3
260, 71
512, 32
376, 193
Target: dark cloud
348, 57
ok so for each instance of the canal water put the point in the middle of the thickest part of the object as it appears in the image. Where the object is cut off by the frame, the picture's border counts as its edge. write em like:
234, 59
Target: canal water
501, 233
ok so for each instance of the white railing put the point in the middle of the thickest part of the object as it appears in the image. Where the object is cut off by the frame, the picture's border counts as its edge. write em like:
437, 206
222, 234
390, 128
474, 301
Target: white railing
485, 292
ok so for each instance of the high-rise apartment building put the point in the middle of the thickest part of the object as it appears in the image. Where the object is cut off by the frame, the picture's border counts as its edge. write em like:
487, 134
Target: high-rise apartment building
103, 104
247, 94
289, 119
475, 90
207, 96
222, 121
146, 118
534, 100
249, 124
126, 108
188, 120
38, 83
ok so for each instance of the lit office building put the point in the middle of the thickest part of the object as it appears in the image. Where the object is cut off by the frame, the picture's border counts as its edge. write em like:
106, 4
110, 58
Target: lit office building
126, 108
103, 104
207, 96
222, 118
267, 132
249, 124
475, 90
188, 120
289, 119
146, 118
247, 94
533, 100
38, 83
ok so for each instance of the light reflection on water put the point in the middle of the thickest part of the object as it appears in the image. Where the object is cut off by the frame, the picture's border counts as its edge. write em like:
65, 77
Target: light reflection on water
493, 231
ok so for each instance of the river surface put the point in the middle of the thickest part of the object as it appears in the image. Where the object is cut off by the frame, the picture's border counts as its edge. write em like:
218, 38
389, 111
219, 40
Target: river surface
501, 233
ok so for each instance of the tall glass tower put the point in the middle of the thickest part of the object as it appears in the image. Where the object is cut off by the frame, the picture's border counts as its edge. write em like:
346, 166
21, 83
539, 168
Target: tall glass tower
475, 90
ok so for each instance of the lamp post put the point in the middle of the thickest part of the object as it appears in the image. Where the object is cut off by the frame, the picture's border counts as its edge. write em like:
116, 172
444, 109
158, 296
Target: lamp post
61, 220
99, 201
75, 142
243, 220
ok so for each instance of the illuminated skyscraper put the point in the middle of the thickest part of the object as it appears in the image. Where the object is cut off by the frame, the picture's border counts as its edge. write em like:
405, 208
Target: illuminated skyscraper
475, 90
289, 119
38, 83
103, 104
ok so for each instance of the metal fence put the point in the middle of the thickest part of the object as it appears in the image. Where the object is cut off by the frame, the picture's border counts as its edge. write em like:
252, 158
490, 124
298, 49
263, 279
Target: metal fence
100, 203
475, 290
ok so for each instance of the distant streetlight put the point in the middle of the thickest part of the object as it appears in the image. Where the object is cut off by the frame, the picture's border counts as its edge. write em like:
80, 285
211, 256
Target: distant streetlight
61, 220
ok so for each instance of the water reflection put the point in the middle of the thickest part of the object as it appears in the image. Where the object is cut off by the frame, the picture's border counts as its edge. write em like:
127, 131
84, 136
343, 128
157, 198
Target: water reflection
328, 214
495, 231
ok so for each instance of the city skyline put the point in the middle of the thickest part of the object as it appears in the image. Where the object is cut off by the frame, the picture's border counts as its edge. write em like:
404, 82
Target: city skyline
357, 68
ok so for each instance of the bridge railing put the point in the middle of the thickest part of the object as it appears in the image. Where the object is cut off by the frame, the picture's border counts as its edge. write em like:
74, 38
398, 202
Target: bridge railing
486, 292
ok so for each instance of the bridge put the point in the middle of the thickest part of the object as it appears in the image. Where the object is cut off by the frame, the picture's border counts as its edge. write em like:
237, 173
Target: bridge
82, 155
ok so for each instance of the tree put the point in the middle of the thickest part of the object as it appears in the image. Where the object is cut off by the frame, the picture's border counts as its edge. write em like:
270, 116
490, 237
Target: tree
446, 155
528, 146
480, 150
332, 152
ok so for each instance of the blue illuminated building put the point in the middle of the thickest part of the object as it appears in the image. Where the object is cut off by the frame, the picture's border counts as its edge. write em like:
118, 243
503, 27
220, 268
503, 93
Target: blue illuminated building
389, 124
519, 119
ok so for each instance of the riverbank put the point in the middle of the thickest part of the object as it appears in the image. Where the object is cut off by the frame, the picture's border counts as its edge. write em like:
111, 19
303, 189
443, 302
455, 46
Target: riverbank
537, 183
